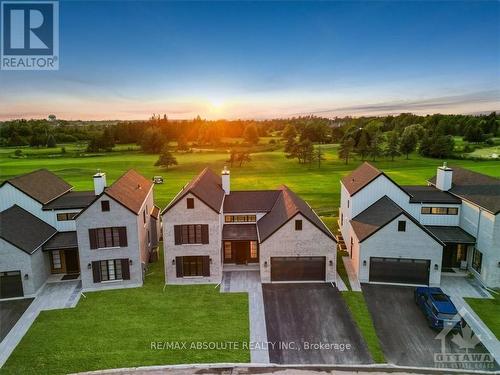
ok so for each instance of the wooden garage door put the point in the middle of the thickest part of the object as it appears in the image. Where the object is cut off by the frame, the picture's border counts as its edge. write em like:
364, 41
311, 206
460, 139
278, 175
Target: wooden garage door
400, 271
11, 284
298, 268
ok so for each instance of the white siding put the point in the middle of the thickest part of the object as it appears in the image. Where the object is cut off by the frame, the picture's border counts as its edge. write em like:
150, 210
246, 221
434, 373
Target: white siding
200, 214
287, 241
414, 243
425, 219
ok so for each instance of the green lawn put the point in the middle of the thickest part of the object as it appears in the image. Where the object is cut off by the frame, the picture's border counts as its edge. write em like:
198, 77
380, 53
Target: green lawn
357, 305
488, 310
115, 329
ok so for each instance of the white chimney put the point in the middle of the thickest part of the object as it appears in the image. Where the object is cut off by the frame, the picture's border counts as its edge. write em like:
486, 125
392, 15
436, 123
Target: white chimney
226, 181
99, 182
444, 178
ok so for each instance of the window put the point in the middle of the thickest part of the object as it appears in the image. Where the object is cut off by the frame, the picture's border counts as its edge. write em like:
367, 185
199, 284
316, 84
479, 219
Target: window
66, 216
240, 218
104, 206
348, 203
191, 234
401, 226
190, 203
228, 253
253, 250
111, 269
149, 238
144, 216
439, 211
108, 237
341, 219
56, 260
477, 260
298, 224
192, 266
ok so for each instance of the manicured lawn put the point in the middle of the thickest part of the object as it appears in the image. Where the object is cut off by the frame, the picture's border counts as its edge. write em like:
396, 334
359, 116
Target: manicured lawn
115, 329
489, 311
359, 310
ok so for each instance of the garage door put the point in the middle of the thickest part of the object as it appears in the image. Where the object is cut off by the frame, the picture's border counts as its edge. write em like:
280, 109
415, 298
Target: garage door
11, 284
298, 268
400, 271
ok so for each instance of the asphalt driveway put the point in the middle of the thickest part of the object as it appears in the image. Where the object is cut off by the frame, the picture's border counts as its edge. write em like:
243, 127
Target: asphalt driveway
10, 312
314, 321
404, 335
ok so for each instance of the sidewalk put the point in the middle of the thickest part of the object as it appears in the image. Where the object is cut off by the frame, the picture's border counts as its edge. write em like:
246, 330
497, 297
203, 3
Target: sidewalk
249, 281
52, 296
353, 279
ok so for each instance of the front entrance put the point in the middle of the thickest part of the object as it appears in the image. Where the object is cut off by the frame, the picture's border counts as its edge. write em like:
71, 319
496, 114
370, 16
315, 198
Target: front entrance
241, 252
65, 261
453, 256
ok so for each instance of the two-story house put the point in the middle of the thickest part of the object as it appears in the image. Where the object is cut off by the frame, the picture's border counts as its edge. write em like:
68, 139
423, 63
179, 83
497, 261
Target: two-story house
411, 234
38, 228
207, 228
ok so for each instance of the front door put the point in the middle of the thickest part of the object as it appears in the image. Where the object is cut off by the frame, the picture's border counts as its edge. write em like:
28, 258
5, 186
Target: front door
242, 249
71, 257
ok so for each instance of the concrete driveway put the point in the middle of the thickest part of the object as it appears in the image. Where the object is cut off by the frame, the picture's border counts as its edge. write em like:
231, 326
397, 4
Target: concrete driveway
10, 312
314, 321
404, 335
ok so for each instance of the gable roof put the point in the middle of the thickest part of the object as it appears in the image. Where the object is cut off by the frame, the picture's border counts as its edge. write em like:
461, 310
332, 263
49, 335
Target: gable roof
250, 201
72, 199
41, 185
378, 215
130, 190
429, 194
475, 187
360, 177
62, 240
24, 230
287, 205
207, 187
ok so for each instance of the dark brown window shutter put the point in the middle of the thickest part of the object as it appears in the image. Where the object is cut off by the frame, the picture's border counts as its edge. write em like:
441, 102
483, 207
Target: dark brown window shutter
178, 234
125, 269
204, 234
123, 236
93, 238
206, 266
178, 266
96, 271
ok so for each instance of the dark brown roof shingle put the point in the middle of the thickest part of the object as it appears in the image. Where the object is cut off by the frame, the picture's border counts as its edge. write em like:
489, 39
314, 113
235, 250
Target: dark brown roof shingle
62, 240
475, 187
360, 177
130, 190
41, 185
72, 199
24, 230
250, 201
241, 232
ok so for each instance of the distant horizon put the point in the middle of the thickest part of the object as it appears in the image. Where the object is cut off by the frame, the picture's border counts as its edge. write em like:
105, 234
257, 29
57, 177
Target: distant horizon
259, 60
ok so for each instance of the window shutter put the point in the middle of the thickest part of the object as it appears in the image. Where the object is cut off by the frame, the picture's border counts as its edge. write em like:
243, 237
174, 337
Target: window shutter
125, 269
178, 234
93, 238
204, 234
123, 236
178, 266
206, 266
96, 271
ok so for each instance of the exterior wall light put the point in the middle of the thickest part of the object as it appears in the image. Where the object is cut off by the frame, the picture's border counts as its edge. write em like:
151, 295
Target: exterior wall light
26, 276
173, 261
331, 263
436, 267
89, 266
130, 262
210, 259
265, 263
364, 263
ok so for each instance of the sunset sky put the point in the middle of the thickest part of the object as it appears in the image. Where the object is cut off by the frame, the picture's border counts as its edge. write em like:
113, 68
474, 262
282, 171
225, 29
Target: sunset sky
127, 60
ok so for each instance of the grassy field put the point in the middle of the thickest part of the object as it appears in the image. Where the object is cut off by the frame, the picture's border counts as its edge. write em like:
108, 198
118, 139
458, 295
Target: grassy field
320, 187
488, 310
113, 329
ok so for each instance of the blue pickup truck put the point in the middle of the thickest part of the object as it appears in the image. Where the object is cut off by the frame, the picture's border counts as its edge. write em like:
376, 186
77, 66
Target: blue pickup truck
438, 309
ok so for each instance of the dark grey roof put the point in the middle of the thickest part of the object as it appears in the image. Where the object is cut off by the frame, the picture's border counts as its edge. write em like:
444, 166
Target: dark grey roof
41, 185
243, 232
24, 230
451, 234
207, 187
286, 207
475, 187
378, 215
250, 201
62, 240
430, 194
72, 199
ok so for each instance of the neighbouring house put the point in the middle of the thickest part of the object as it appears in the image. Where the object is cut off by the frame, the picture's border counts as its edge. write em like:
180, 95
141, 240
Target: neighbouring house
207, 229
412, 234
39, 215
